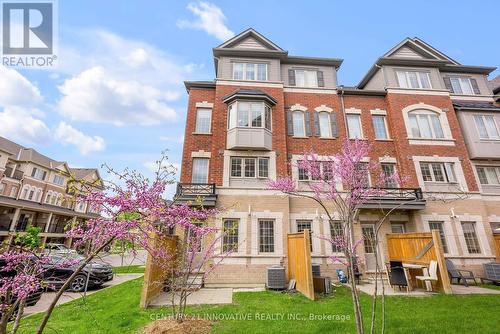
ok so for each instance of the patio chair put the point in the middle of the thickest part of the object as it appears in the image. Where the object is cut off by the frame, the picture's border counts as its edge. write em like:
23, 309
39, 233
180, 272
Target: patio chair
397, 276
459, 274
432, 274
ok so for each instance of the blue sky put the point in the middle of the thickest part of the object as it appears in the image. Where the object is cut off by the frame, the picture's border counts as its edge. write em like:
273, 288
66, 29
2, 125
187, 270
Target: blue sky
117, 95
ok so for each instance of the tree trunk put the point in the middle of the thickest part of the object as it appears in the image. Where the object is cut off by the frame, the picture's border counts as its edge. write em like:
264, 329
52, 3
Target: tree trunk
66, 285
19, 315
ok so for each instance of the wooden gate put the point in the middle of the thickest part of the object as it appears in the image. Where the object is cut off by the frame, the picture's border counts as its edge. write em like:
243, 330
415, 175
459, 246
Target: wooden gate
420, 248
299, 262
496, 239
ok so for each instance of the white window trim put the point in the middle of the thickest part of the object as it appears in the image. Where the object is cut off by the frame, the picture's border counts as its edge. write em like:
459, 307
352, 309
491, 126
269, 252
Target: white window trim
245, 64
379, 112
209, 122
388, 136
480, 232
449, 233
242, 235
315, 229
227, 164
329, 134
460, 78
236, 115
257, 168
477, 128
407, 84
278, 232
295, 170
201, 154
360, 126
303, 123
321, 108
443, 119
208, 168
204, 104
306, 85
459, 173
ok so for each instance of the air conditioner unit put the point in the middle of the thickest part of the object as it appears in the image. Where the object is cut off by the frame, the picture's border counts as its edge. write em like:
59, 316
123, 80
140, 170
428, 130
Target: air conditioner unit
322, 284
316, 270
276, 278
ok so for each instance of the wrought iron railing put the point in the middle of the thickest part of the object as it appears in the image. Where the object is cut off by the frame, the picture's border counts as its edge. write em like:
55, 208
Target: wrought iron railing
399, 193
195, 189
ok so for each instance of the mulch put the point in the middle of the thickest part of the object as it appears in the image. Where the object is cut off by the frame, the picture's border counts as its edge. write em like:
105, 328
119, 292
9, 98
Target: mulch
171, 326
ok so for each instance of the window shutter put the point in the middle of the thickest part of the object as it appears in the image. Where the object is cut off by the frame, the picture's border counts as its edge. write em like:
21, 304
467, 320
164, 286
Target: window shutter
321, 80
33, 172
289, 121
475, 87
316, 124
333, 121
291, 77
307, 117
447, 84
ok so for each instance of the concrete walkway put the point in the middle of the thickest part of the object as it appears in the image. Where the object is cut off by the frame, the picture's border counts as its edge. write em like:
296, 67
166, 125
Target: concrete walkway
47, 297
202, 296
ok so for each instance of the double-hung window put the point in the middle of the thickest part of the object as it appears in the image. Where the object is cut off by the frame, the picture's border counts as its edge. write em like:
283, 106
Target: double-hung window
380, 127
305, 225
389, 171
438, 225
230, 236
39, 174
461, 85
425, 125
58, 179
250, 71
487, 127
325, 128
438, 172
203, 120
320, 170
245, 114
414, 79
489, 175
470, 236
250, 167
354, 126
306, 78
266, 236
200, 170
299, 129
337, 235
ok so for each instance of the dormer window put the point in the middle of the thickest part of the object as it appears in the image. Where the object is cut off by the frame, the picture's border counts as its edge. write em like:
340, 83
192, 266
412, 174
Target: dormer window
306, 78
249, 71
414, 79
246, 114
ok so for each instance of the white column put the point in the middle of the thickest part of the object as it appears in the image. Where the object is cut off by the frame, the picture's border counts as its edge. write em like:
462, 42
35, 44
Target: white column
15, 218
47, 225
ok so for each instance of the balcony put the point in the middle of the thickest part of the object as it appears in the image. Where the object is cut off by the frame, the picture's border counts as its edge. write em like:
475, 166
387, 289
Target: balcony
17, 174
191, 193
400, 198
249, 139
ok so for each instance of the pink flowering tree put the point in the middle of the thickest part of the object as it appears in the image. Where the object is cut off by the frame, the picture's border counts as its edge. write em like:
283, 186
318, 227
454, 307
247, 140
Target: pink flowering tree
133, 209
339, 184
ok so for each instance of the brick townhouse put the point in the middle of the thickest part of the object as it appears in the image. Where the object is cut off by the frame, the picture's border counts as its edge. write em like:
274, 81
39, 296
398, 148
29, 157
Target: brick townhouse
426, 116
37, 190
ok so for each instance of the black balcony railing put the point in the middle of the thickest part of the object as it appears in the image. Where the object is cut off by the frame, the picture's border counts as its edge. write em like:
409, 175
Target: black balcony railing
401, 198
18, 175
195, 189
400, 193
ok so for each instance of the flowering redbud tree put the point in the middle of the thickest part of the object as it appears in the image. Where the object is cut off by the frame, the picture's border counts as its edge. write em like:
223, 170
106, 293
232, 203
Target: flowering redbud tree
339, 185
132, 209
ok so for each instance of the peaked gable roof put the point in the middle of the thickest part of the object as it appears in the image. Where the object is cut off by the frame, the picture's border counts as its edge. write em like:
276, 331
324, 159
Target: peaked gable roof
417, 49
250, 39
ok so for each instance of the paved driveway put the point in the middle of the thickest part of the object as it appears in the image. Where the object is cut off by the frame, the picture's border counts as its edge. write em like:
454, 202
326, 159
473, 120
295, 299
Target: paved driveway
128, 259
47, 297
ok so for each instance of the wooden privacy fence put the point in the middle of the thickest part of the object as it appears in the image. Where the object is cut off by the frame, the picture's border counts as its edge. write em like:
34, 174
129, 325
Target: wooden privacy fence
496, 239
420, 248
157, 272
299, 262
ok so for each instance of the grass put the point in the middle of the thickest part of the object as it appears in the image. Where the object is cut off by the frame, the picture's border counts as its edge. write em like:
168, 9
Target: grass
129, 269
116, 310
490, 286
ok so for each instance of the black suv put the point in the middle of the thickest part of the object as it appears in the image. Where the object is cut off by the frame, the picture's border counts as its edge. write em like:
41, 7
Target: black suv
33, 298
57, 273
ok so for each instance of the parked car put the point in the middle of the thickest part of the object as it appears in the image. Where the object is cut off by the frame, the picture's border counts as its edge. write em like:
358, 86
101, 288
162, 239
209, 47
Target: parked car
32, 299
51, 248
61, 267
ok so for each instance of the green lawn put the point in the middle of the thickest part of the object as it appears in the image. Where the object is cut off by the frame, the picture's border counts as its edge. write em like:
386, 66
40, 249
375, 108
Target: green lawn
115, 310
129, 269
490, 286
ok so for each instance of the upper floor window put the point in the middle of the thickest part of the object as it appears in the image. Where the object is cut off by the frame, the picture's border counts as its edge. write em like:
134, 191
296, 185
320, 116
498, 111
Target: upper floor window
487, 127
299, 129
249, 114
2, 187
58, 179
306, 78
414, 79
203, 120
425, 125
200, 170
39, 174
354, 126
488, 175
325, 127
249, 167
462, 85
250, 71
389, 171
13, 191
380, 127
438, 172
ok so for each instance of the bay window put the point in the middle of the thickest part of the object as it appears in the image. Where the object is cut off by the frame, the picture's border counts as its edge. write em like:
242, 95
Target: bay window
249, 71
414, 79
425, 125
438, 172
486, 127
249, 167
249, 114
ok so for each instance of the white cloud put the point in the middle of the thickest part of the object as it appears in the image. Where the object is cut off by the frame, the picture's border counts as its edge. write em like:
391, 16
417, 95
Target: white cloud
66, 134
119, 81
173, 139
16, 90
18, 124
95, 96
209, 18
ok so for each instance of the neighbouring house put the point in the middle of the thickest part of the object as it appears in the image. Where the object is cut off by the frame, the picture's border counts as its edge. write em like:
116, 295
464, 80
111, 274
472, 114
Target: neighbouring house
42, 191
427, 116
